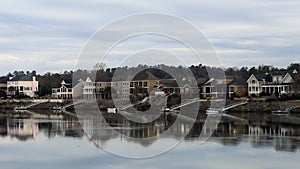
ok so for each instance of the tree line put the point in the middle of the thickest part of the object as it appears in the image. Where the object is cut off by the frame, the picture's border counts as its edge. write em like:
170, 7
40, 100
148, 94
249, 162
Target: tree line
49, 80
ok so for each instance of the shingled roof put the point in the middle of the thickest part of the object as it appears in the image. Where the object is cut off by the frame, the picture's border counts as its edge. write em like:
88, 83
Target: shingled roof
22, 78
145, 75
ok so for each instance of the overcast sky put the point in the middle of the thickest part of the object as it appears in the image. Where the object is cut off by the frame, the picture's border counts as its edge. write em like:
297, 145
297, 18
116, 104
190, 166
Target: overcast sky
48, 35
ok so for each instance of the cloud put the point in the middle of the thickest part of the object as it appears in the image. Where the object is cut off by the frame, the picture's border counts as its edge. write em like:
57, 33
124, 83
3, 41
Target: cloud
248, 32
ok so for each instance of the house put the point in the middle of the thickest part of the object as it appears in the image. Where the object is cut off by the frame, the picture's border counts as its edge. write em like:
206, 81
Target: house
238, 87
216, 88
103, 90
170, 86
143, 82
3, 86
88, 90
22, 129
68, 90
22, 85
279, 83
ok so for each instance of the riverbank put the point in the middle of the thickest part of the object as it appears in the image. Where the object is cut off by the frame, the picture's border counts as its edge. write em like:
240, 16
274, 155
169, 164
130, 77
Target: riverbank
251, 106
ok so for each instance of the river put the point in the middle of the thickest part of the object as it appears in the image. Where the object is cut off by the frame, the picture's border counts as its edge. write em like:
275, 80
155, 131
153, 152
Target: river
40, 140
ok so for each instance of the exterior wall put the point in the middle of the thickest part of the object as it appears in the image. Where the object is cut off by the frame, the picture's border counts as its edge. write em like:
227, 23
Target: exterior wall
77, 90
288, 79
62, 93
215, 88
27, 88
254, 86
146, 84
100, 90
88, 89
239, 90
280, 85
3, 88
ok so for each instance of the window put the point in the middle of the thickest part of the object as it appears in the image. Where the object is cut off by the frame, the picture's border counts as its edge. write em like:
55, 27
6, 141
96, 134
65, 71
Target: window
253, 81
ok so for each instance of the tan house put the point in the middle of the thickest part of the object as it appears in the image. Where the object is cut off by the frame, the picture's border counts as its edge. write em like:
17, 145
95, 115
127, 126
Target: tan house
216, 88
3, 86
145, 82
238, 87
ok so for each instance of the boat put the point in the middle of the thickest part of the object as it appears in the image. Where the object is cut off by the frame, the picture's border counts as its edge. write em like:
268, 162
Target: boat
20, 108
280, 112
112, 110
213, 111
286, 112
57, 108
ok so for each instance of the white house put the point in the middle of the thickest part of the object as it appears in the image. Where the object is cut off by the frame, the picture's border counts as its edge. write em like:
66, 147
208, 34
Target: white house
268, 84
88, 90
22, 85
68, 90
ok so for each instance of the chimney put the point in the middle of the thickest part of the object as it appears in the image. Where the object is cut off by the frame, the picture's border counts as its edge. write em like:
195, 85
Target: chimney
33, 78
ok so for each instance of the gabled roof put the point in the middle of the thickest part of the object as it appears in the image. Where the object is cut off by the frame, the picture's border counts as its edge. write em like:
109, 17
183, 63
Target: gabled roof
295, 71
279, 73
226, 81
169, 82
259, 77
287, 75
145, 75
88, 79
68, 83
201, 81
22, 78
4, 79
239, 81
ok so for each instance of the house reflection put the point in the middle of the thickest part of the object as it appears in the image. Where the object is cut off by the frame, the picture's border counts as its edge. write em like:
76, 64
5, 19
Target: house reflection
282, 136
22, 129
25, 129
3, 127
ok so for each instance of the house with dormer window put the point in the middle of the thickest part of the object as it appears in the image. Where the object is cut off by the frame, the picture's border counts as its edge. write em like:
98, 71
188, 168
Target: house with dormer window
22, 85
278, 84
67, 90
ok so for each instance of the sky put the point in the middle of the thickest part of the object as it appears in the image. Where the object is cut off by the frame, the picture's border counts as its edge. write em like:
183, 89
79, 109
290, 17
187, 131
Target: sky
49, 35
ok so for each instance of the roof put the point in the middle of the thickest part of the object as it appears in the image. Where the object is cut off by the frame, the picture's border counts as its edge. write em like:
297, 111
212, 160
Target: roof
68, 83
4, 79
201, 80
259, 77
22, 78
239, 81
169, 82
145, 75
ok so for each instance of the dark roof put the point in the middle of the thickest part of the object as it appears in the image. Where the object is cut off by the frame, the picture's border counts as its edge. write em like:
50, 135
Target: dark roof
4, 79
229, 77
145, 75
201, 81
21, 78
239, 81
169, 82
69, 83
279, 73
259, 77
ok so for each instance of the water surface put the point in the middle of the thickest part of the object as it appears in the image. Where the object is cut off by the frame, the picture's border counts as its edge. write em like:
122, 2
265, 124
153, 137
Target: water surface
37, 141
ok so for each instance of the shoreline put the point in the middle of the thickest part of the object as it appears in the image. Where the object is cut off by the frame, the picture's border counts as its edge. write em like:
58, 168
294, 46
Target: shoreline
251, 106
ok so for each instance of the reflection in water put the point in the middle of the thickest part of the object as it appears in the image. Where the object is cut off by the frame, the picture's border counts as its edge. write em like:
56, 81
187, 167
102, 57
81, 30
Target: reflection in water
282, 136
25, 129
